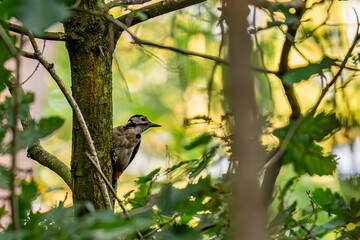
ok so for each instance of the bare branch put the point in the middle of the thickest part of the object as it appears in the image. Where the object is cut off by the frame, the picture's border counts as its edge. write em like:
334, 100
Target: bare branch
181, 51
261, 70
280, 150
342, 65
118, 3
149, 234
40, 155
139, 41
212, 75
126, 87
50, 68
157, 9
37, 66
54, 36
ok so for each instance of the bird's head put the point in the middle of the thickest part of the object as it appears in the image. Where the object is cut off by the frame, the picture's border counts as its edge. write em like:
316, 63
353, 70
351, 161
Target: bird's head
141, 122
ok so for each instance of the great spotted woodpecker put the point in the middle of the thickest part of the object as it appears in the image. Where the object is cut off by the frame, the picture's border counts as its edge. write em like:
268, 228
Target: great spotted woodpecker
126, 143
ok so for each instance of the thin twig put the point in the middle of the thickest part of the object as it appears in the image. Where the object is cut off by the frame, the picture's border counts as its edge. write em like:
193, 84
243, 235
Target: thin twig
37, 66
156, 9
312, 111
261, 70
54, 36
121, 204
212, 75
149, 234
181, 51
17, 103
158, 59
281, 150
126, 87
50, 68
342, 66
139, 41
307, 35
118, 3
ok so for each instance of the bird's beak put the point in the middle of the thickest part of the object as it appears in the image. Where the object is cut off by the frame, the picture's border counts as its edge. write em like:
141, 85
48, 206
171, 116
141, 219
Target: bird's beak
150, 125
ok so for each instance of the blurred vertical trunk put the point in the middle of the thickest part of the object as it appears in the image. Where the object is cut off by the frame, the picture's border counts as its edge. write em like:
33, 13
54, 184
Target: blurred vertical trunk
248, 221
90, 59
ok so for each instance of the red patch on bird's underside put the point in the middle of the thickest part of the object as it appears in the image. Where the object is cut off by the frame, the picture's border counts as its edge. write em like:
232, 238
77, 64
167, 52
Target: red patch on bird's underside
116, 175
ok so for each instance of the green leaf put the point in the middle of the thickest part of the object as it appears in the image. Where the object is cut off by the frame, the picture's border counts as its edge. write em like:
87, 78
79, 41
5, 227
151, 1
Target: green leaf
4, 56
4, 178
128, 193
5, 52
6, 108
199, 140
284, 216
148, 177
179, 232
302, 150
49, 125
176, 166
311, 128
34, 131
309, 158
4, 74
140, 15
37, 15
173, 199
303, 73
3, 211
7, 9
207, 157
28, 195
319, 127
333, 203
3, 132
353, 234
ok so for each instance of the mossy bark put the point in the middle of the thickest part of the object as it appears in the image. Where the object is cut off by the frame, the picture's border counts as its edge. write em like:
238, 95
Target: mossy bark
91, 61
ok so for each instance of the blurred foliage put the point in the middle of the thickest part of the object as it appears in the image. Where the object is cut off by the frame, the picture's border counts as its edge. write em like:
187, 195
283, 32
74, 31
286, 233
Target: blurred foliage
183, 192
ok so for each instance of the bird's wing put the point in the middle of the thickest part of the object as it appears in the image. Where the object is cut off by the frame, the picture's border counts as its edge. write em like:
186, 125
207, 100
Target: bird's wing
136, 149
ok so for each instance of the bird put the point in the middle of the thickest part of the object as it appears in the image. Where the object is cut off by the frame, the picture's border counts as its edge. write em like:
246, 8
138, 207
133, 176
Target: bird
126, 141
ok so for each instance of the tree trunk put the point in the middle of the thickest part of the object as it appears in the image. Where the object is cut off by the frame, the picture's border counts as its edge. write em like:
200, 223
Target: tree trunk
91, 61
248, 211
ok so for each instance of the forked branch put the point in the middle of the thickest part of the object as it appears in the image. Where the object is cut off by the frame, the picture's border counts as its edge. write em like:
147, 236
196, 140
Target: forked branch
50, 68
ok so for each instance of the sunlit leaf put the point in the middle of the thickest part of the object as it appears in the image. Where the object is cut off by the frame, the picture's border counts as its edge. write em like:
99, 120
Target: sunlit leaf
148, 177
128, 193
140, 15
199, 140
309, 158
207, 157
303, 73
302, 151
176, 166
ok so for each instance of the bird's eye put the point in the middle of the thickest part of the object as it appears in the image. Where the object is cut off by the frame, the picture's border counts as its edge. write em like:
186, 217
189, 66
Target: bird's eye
143, 119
